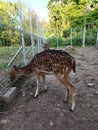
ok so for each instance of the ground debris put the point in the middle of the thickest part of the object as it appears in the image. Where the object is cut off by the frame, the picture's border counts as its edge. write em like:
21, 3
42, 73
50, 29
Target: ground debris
48, 112
4, 121
51, 123
96, 92
90, 84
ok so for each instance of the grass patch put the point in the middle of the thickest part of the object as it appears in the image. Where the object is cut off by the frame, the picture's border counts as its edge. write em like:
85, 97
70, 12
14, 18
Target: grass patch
6, 53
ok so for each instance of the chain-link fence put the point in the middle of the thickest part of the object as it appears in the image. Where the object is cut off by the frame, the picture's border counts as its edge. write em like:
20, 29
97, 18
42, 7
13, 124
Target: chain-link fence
81, 37
21, 37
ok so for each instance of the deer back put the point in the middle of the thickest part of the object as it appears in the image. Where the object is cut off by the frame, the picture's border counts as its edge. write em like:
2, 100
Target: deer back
53, 61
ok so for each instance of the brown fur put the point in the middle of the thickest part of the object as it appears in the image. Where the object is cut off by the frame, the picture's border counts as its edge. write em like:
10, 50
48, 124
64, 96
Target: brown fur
46, 46
57, 62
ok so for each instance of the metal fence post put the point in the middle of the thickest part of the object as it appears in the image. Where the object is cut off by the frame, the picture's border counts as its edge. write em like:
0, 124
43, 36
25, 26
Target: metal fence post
22, 34
37, 30
84, 32
31, 34
57, 37
71, 37
97, 40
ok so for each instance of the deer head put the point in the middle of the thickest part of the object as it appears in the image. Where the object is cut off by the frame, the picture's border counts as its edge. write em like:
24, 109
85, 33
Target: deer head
46, 46
18, 70
12, 73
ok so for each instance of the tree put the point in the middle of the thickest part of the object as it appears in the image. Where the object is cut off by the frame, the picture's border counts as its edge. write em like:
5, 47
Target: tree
9, 22
61, 13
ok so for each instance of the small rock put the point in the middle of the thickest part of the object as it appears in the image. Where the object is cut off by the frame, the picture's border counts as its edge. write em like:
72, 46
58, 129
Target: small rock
96, 92
88, 105
31, 94
90, 84
83, 118
95, 63
9, 95
23, 93
78, 64
51, 123
0, 93
4, 121
59, 105
96, 106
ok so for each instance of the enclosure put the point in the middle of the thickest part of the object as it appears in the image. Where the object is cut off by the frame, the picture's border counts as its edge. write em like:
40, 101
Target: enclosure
22, 35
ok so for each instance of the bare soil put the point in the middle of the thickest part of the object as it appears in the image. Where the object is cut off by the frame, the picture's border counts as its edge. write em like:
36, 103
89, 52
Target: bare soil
48, 112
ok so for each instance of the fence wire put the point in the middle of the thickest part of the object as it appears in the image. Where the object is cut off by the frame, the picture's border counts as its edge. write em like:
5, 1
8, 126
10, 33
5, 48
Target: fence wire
11, 48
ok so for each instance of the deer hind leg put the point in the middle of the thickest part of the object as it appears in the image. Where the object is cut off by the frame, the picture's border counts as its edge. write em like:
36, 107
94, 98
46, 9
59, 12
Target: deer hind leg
70, 89
60, 77
44, 81
38, 83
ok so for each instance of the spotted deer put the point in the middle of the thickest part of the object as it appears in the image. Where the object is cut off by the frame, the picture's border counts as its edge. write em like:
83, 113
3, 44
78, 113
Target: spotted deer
56, 62
46, 46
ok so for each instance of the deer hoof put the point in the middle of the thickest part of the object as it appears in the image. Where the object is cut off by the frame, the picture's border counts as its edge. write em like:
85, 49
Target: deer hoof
71, 110
35, 96
45, 90
65, 101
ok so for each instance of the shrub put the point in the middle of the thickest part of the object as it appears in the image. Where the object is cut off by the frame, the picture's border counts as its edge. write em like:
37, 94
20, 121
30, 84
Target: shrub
57, 42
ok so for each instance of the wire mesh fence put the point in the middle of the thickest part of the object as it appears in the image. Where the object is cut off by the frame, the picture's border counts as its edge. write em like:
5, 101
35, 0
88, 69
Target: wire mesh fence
21, 36
75, 36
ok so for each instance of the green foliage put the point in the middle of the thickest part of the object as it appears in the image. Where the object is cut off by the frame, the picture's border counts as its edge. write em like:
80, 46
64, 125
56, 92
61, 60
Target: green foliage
8, 13
66, 33
69, 14
9, 36
9, 23
74, 14
52, 41
64, 14
90, 37
61, 41
91, 20
77, 38
5, 55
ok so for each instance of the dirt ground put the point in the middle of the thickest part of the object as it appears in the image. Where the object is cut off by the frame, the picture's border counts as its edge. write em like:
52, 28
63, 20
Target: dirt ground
48, 112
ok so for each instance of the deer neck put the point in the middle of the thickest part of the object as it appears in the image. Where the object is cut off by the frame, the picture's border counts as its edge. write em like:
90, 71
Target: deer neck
24, 70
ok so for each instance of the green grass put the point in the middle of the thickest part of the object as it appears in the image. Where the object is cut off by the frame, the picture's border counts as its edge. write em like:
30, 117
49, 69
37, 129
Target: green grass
6, 53
8, 50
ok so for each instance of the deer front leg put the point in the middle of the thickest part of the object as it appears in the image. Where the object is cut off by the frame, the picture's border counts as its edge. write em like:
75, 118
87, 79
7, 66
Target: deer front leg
38, 83
67, 96
44, 82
